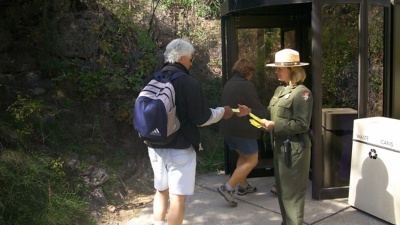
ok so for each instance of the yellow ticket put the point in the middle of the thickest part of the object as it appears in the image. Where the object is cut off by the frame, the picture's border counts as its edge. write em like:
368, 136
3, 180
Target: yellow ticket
235, 110
255, 117
255, 123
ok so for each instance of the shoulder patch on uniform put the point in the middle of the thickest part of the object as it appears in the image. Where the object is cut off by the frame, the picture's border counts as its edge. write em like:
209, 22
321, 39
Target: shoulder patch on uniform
305, 94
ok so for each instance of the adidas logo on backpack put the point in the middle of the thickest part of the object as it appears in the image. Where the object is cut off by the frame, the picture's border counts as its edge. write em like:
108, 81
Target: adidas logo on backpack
155, 132
154, 115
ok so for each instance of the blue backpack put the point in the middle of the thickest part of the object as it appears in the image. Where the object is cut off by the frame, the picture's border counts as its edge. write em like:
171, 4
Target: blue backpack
154, 114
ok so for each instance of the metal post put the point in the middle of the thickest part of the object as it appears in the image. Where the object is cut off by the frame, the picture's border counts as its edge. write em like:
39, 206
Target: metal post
223, 49
363, 61
317, 157
395, 101
387, 51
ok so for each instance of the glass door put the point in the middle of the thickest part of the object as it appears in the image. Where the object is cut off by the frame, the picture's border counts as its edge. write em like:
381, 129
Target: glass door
259, 45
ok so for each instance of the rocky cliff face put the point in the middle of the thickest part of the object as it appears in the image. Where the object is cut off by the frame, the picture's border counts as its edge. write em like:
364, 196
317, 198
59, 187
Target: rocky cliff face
27, 27
35, 35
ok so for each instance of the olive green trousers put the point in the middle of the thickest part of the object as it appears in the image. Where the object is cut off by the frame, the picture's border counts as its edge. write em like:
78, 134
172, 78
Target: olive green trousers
291, 182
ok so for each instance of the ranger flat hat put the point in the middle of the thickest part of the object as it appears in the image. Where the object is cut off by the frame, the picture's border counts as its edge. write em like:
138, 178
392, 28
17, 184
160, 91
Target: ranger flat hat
287, 58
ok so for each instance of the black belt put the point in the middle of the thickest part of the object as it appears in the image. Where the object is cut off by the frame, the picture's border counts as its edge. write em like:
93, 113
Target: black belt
290, 137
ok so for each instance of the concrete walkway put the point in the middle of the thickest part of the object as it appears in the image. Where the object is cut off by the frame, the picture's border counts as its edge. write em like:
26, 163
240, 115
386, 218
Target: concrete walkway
208, 207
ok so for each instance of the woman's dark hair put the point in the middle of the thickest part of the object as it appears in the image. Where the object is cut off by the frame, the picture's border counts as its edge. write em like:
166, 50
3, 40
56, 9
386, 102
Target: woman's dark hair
244, 68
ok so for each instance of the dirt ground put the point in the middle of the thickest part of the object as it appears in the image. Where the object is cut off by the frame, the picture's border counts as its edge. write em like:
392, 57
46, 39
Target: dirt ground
140, 194
121, 215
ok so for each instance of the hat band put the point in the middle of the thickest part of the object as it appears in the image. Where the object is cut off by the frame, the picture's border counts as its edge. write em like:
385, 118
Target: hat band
287, 63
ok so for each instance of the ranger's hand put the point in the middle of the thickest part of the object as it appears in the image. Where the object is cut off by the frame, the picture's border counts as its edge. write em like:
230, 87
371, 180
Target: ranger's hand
243, 110
267, 124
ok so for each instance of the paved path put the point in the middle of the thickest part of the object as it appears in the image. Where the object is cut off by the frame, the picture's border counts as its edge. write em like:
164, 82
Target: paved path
208, 207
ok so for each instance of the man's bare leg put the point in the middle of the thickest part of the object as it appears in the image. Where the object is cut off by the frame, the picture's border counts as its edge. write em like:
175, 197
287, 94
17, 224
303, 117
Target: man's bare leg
176, 210
160, 205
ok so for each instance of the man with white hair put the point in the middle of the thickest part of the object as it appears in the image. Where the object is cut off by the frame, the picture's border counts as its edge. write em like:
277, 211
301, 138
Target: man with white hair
174, 164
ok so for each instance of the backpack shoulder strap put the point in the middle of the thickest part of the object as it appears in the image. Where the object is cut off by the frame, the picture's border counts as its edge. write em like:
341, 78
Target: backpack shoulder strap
167, 75
157, 75
177, 74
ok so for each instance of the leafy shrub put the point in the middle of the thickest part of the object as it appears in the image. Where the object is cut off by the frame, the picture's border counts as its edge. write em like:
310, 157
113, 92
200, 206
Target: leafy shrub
18, 122
31, 192
211, 158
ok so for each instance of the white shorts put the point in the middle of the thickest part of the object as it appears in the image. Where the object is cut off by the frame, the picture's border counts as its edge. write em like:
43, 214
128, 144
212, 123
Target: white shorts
174, 169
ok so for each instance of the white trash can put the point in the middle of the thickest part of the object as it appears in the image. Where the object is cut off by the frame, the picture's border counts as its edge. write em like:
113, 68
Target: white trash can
375, 168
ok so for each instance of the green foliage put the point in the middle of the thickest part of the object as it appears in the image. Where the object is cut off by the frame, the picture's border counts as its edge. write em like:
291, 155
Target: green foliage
118, 80
124, 111
143, 68
8, 134
25, 114
145, 42
211, 159
340, 45
340, 57
171, 3
124, 56
212, 89
208, 9
24, 108
31, 192
56, 137
52, 67
376, 57
124, 10
90, 84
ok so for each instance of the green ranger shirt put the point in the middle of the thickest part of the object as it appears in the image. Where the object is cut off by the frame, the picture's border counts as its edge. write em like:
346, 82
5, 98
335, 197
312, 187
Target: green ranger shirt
291, 110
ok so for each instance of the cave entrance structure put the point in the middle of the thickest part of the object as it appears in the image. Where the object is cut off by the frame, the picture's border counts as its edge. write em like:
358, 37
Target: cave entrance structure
352, 47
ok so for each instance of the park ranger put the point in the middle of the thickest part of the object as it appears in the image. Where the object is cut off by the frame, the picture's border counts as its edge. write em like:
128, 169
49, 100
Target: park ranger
291, 110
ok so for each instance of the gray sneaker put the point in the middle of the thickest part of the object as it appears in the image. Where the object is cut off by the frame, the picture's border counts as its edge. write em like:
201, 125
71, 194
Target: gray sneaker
228, 195
273, 190
248, 189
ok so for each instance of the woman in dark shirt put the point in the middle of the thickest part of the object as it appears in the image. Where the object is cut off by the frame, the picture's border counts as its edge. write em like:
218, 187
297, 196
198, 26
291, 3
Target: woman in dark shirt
239, 134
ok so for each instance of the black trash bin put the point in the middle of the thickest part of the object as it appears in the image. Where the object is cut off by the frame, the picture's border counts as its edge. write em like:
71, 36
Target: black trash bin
337, 133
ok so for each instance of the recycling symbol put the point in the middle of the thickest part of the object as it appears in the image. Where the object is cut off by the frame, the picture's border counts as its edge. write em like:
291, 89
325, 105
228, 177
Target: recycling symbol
372, 154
